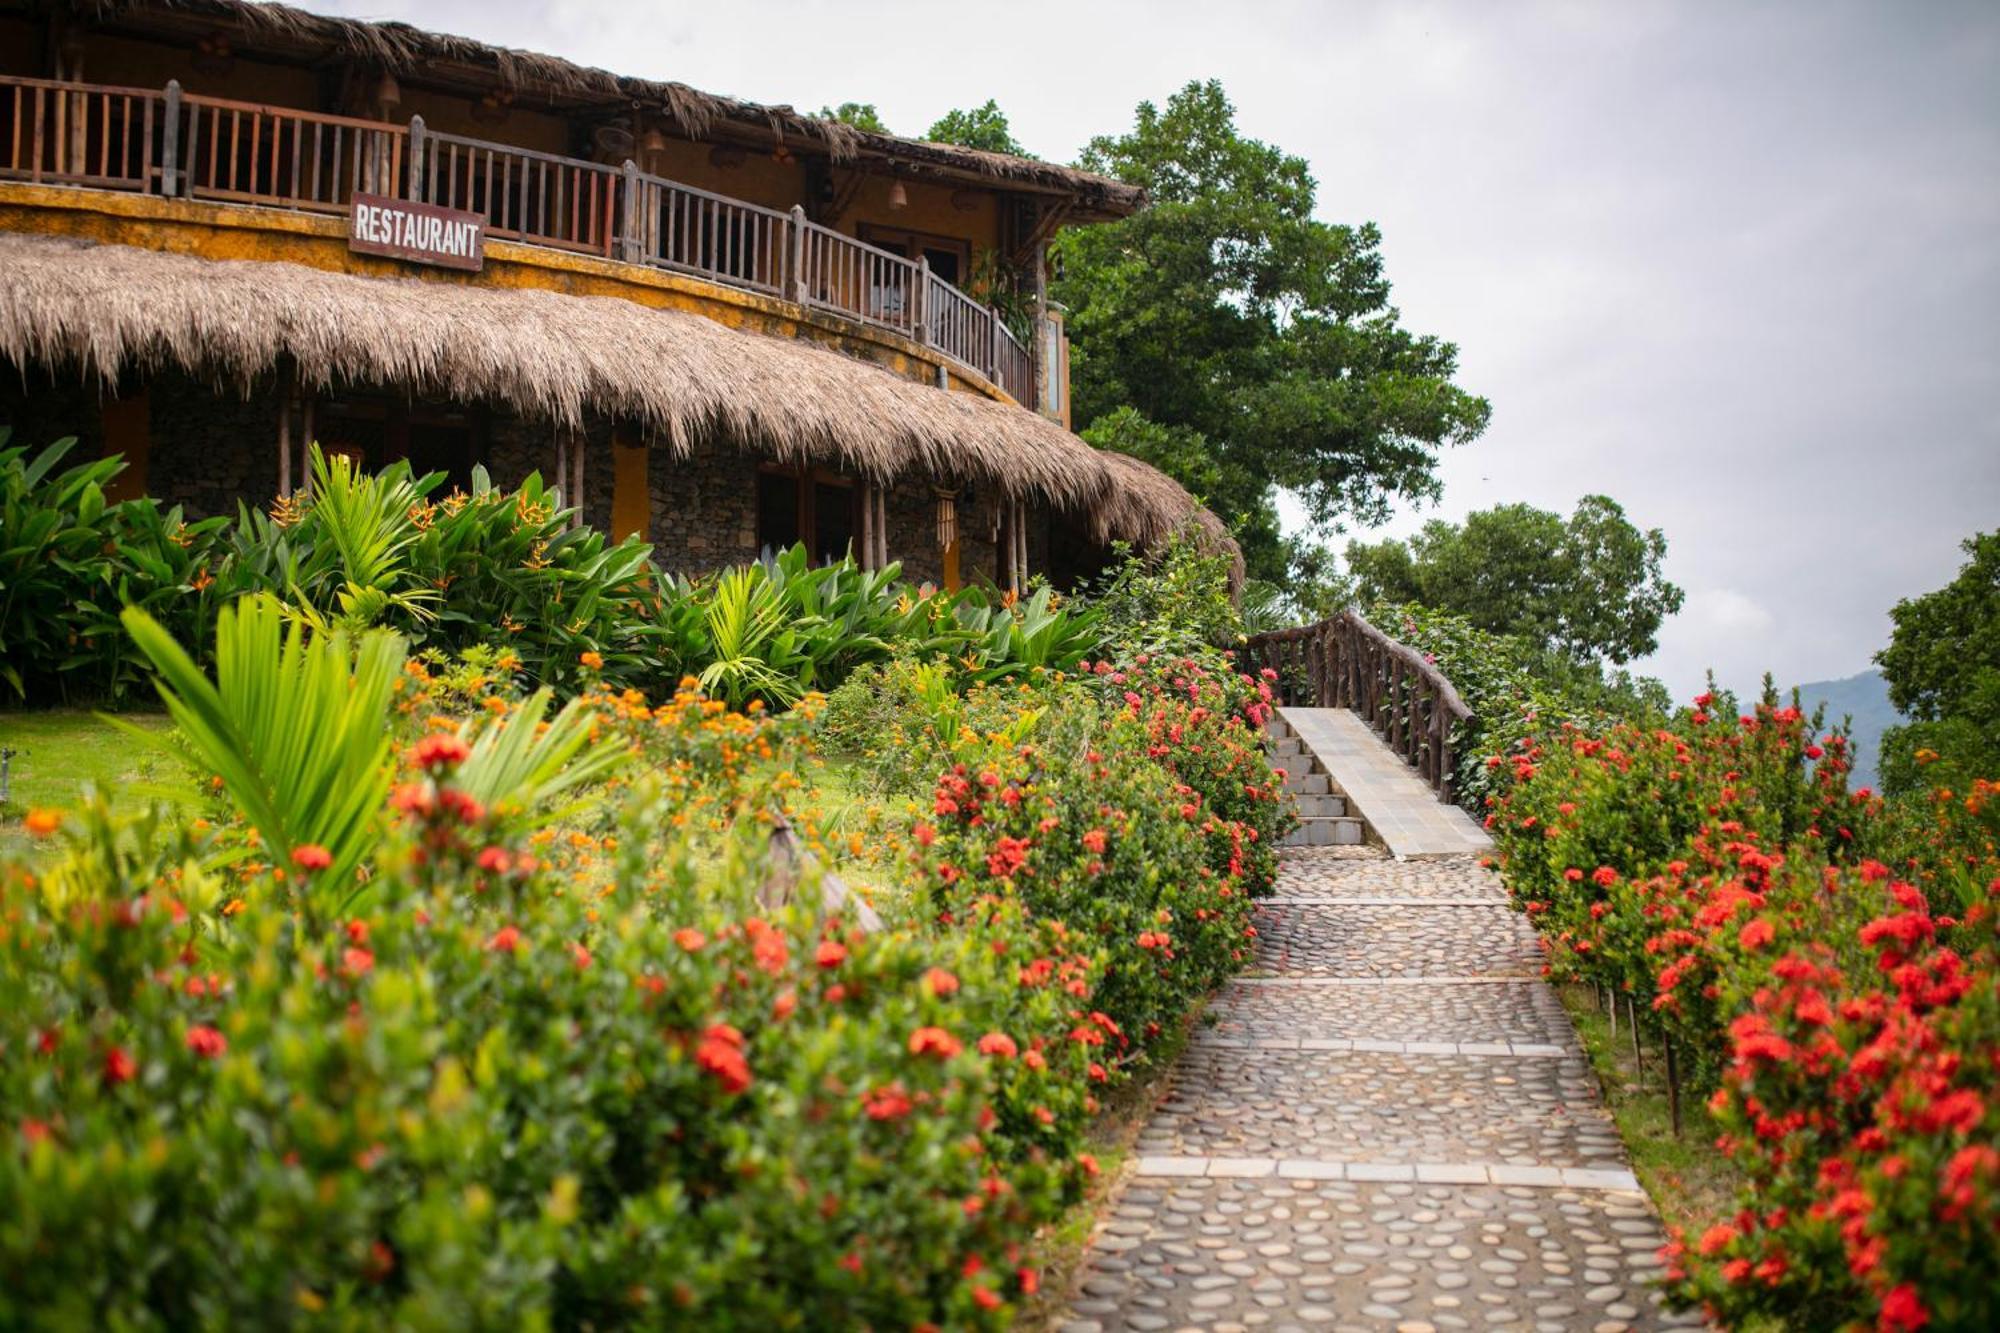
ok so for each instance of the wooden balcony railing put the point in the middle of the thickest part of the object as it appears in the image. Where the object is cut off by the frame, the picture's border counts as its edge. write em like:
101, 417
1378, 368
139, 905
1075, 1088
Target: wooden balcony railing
1345, 662
182, 145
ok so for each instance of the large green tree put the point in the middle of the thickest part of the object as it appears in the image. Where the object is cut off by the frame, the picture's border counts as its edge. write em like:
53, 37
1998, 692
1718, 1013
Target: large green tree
1260, 336
861, 115
979, 127
1589, 587
1943, 669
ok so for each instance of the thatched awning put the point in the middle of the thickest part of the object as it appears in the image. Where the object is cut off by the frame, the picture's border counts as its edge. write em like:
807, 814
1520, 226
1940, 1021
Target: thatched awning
284, 32
554, 358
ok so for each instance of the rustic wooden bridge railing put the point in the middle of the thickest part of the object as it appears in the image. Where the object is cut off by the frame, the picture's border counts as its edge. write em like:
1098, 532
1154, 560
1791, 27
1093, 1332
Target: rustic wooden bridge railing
181, 145
1345, 662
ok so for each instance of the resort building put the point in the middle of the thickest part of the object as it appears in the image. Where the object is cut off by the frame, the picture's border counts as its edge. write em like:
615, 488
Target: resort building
228, 229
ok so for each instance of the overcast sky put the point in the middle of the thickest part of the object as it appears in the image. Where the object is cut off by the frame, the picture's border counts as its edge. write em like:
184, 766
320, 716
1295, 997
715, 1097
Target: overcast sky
1735, 265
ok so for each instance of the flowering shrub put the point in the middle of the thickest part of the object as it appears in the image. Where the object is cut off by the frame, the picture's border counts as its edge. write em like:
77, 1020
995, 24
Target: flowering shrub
500, 1092
1719, 872
1107, 844
1204, 723
522, 1040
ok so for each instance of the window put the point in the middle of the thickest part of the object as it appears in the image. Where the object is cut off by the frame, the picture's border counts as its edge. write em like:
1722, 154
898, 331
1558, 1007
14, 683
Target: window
820, 509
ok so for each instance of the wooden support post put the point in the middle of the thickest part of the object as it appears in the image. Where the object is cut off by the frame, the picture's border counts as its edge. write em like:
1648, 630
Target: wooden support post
562, 468
920, 303
417, 181
795, 281
285, 375
170, 142
1673, 1085
628, 241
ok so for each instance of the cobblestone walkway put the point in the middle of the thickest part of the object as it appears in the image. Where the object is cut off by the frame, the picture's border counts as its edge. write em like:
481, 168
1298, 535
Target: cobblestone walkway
1389, 1125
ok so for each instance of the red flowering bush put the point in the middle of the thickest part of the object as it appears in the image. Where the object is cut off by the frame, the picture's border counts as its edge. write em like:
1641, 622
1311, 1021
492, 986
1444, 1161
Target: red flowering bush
1848, 1020
1204, 723
465, 1107
1107, 844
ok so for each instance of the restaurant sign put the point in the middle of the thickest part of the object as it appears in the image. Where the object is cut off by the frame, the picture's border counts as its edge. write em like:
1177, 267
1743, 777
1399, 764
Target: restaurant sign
422, 233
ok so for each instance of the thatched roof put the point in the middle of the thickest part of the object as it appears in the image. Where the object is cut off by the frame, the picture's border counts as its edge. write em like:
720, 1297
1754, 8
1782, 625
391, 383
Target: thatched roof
1150, 506
283, 32
555, 358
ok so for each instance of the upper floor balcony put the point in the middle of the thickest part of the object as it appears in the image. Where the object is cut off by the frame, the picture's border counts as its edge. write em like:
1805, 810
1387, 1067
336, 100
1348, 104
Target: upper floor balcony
169, 144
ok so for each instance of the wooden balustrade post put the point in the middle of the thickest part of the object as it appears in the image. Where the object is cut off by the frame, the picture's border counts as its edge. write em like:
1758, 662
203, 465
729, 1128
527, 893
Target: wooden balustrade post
418, 183
170, 142
1446, 777
921, 302
628, 243
795, 283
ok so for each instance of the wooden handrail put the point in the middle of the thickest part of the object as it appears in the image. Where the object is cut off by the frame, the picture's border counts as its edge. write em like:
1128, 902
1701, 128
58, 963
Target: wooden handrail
1345, 662
259, 154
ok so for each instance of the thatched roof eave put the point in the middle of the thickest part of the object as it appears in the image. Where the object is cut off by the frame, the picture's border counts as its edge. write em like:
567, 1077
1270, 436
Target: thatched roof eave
561, 359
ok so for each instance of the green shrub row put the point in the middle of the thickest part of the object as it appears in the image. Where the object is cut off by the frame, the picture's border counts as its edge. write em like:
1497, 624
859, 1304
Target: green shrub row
505, 569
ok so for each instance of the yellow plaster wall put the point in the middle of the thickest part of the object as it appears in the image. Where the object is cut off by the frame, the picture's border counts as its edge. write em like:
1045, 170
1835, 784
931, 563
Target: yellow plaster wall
228, 232
929, 210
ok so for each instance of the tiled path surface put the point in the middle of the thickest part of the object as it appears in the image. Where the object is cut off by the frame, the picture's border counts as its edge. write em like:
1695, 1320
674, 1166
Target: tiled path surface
1389, 1126
1383, 789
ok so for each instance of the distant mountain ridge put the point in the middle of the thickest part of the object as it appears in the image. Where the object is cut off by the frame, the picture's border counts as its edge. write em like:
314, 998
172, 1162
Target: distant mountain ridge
1865, 698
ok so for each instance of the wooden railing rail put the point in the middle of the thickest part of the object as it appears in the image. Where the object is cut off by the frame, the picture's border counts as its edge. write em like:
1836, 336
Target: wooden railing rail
560, 202
1013, 365
842, 274
80, 133
1345, 662
189, 146
248, 153
692, 231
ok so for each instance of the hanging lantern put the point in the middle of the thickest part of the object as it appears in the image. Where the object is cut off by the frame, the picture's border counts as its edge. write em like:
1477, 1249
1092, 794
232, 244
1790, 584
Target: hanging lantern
947, 519
898, 196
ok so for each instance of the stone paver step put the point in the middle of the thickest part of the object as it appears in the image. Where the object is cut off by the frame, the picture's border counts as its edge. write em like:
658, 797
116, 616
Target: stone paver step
1217, 1251
1319, 805
1309, 872
1368, 1105
1334, 831
1308, 783
1379, 941
1523, 1011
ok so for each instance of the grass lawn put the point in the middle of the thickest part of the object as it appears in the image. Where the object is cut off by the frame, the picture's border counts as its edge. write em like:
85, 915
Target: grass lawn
1693, 1184
55, 753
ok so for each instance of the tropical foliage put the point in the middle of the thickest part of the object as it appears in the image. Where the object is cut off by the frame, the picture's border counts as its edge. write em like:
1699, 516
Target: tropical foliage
509, 570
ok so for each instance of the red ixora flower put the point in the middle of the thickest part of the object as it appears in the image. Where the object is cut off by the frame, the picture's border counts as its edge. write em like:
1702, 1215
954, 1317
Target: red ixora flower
439, 751
832, 953
206, 1041
940, 982
119, 1066
507, 939
886, 1103
935, 1041
720, 1052
1007, 856
311, 856
999, 1044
